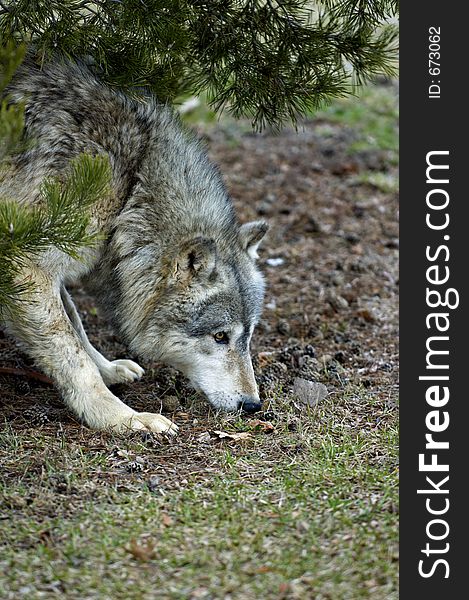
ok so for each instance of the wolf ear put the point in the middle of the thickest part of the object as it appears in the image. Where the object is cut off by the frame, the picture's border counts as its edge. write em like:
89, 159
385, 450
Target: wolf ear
251, 234
196, 257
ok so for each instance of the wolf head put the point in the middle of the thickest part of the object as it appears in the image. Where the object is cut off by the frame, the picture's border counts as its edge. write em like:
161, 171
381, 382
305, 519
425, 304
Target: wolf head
216, 302
189, 293
202, 314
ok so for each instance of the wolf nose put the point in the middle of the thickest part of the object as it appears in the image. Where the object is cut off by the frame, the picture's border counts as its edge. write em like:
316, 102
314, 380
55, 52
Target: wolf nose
250, 406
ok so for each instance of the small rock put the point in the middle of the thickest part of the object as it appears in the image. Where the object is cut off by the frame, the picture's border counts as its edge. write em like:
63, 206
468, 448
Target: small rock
302, 526
153, 483
366, 315
309, 392
340, 357
315, 333
283, 327
279, 367
358, 211
351, 237
275, 262
263, 208
264, 327
270, 197
204, 437
337, 278
337, 302
312, 226
326, 359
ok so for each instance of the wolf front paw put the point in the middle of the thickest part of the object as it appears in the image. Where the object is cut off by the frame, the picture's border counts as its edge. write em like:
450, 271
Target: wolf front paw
153, 422
120, 371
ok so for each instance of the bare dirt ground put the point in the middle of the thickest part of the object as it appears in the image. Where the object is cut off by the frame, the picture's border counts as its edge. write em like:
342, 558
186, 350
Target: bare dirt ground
331, 268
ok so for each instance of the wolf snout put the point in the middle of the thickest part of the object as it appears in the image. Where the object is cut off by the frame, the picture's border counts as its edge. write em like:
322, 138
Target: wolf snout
250, 405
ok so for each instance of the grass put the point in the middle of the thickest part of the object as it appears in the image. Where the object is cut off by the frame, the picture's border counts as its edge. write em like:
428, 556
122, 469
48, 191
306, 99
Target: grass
308, 511
372, 115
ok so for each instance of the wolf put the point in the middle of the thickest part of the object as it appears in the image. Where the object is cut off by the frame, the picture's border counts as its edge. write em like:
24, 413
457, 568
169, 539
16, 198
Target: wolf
173, 269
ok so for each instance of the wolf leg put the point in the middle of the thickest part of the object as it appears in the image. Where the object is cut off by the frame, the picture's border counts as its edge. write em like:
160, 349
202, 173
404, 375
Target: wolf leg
57, 348
115, 371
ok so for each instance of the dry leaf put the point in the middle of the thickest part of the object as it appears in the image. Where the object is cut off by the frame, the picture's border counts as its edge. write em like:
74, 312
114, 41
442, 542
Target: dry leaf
183, 416
264, 426
263, 569
166, 520
242, 435
284, 587
366, 314
141, 551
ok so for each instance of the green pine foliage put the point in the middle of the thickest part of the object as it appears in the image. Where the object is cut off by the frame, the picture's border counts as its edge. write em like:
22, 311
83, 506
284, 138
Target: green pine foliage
11, 116
270, 60
60, 218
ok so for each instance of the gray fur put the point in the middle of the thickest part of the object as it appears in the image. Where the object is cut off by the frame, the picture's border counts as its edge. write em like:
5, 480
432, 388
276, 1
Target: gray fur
174, 267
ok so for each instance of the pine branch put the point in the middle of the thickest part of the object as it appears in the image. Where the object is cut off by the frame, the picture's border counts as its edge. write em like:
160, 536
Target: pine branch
61, 220
11, 116
270, 60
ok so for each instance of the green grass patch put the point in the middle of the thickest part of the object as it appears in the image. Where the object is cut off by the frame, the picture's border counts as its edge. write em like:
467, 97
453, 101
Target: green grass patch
294, 514
373, 116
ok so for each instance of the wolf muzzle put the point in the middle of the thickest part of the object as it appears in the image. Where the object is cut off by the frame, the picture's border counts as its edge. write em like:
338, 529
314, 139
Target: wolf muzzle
248, 404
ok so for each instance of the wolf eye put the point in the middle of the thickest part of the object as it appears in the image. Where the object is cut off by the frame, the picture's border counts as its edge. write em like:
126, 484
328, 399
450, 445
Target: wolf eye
221, 337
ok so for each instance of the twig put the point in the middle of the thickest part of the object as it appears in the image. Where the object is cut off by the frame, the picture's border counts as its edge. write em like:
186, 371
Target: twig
26, 373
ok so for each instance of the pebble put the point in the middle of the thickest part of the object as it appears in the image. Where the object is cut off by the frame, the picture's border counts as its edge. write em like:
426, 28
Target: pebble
312, 226
340, 357
309, 392
283, 327
153, 483
326, 359
337, 302
275, 262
